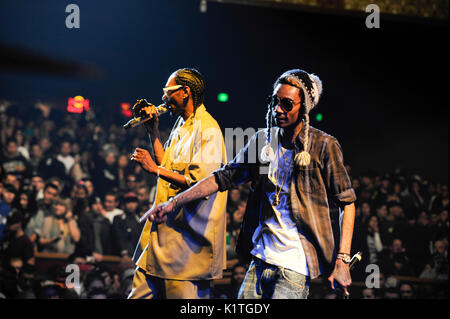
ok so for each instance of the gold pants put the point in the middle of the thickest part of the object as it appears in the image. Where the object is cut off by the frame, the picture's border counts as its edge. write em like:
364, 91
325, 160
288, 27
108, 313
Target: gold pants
150, 287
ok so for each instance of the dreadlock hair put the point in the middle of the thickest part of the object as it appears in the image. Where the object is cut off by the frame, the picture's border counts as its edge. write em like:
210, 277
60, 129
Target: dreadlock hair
192, 78
310, 87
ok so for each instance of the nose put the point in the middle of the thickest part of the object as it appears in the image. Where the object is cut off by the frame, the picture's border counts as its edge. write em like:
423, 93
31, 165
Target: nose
278, 109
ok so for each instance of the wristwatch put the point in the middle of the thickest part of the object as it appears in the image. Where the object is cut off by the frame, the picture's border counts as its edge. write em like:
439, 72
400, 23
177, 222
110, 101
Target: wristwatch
344, 257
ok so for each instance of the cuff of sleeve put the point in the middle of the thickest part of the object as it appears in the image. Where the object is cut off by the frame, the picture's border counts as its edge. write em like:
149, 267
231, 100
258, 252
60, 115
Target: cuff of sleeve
346, 197
219, 182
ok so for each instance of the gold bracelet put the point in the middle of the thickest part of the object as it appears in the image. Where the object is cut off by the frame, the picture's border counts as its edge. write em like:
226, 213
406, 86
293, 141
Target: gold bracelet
344, 257
159, 167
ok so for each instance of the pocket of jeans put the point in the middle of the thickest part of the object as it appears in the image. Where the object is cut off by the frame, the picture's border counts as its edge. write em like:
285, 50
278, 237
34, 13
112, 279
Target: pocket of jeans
294, 278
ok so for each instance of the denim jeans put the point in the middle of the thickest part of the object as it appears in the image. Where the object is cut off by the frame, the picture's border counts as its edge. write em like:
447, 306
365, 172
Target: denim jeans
266, 281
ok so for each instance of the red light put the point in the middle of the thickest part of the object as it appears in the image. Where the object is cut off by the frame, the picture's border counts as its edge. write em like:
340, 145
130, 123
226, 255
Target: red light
77, 104
125, 109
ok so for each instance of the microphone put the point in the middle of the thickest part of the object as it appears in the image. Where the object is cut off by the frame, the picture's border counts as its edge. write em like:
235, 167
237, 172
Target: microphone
141, 116
356, 258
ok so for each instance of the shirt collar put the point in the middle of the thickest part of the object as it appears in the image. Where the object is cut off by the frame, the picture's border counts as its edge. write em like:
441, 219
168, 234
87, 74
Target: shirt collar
198, 112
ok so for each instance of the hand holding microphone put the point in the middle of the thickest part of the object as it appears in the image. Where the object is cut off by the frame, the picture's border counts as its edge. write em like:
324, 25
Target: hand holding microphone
144, 111
341, 291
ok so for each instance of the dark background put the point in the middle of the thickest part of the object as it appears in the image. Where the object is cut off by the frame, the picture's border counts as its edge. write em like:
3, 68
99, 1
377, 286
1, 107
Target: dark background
385, 90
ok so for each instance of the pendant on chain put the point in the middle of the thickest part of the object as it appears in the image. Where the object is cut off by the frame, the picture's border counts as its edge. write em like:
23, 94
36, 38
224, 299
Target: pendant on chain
276, 200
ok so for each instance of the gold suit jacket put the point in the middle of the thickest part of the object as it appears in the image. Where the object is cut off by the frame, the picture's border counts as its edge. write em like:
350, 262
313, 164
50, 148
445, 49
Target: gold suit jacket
191, 244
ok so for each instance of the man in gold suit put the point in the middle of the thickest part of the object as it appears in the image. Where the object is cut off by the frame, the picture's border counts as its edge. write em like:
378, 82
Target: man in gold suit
179, 259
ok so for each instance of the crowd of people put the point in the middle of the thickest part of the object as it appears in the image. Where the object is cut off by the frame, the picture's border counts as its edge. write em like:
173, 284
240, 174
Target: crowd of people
67, 186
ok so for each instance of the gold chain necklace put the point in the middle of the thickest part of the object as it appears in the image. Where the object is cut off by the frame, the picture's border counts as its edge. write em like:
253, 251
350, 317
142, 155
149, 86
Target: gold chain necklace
276, 200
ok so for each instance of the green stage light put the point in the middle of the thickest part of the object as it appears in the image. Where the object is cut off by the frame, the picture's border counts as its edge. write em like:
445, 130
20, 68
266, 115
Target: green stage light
222, 97
319, 117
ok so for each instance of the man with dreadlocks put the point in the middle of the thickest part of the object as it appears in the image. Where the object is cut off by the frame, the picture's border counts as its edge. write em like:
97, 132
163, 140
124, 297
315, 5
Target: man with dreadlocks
180, 258
286, 232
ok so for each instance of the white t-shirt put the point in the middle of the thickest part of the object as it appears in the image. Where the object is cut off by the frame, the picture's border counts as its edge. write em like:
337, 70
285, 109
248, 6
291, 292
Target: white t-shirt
68, 162
110, 215
276, 240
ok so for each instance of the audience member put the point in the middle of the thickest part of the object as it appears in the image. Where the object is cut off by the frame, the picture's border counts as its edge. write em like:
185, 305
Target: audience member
143, 194
36, 157
60, 231
106, 173
16, 243
14, 162
126, 226
111, 204
8, 194
96, 234
407, 291
395, 261
65, 157
25, 203
438, 267
374, 241
132, 183
83, 166
49, 167
34, 227
23, 144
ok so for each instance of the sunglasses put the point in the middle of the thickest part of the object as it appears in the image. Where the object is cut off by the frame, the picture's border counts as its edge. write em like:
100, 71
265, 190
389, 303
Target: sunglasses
171, 89
286, 104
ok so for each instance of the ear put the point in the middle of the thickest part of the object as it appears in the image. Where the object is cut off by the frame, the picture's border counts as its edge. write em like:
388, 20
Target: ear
187, 91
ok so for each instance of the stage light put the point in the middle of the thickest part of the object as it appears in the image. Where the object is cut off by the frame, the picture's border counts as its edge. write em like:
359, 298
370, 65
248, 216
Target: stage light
77, 104
319, 117
222, 97
125, 109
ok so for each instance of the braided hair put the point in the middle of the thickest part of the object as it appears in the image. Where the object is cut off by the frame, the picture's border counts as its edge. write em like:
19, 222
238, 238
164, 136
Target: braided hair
192, 78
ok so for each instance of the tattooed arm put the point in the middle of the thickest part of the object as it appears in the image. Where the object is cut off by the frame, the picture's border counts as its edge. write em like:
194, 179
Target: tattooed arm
239, 170
204, 188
